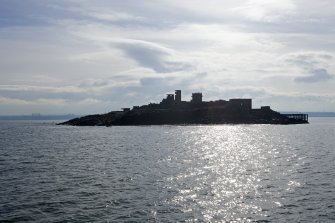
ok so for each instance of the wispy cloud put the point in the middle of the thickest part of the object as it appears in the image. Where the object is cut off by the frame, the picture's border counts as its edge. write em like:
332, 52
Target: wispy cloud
317, 75
160, 59
113, 16
309, 60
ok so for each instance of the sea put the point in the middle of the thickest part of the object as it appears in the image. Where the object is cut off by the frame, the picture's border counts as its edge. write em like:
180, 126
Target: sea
191, 173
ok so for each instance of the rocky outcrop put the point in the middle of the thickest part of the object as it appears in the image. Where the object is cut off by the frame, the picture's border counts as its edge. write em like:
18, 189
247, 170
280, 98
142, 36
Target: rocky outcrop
173, 111
183, 117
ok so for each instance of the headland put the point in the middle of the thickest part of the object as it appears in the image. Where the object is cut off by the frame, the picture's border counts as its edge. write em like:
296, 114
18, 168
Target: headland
173, 111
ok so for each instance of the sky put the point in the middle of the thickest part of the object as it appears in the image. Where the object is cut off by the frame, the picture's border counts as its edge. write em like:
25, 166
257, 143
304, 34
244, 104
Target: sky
88, 57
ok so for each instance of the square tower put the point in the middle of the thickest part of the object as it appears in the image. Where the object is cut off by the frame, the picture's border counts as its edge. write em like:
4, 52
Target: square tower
177, 96
196, 98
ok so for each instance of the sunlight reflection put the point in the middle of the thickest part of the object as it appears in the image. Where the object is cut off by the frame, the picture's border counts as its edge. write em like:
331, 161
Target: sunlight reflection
227, 175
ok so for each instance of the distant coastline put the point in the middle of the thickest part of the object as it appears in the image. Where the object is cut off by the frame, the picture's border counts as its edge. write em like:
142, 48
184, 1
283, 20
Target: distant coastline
315, 114
38, 117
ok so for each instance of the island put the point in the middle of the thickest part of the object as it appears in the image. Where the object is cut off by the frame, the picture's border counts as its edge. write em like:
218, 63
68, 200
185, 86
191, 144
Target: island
173, 111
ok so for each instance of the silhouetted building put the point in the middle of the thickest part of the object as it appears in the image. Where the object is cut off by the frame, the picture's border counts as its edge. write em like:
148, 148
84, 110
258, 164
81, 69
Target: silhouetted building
126, 109
240, 104
265, 108
168, 101
196, 98
177, 96
170, 98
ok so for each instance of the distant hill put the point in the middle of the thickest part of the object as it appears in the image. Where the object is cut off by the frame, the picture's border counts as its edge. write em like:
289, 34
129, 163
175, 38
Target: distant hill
39, 117
321, 114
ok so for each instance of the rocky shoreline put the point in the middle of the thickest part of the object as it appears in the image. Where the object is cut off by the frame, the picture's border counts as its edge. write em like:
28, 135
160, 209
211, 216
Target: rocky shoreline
175, 117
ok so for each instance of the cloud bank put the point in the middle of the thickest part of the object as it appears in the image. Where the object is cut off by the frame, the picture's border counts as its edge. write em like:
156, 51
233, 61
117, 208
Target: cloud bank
63, 56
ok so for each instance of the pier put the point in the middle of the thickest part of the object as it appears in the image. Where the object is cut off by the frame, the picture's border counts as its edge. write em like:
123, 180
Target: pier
297, 116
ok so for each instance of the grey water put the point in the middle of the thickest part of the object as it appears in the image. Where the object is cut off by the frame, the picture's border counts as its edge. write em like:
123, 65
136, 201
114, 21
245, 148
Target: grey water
205, 173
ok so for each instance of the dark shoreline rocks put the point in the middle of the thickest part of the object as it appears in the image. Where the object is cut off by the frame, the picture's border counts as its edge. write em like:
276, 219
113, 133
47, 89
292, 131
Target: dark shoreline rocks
183, 117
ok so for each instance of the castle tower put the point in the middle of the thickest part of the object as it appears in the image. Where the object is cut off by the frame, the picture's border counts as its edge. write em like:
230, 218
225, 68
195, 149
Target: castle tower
177, 96
196, 98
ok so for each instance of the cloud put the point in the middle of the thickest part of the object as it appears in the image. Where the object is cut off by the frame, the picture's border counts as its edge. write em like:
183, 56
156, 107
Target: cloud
151, 81
30, 88
88, 105
39, 101
309, 60
246, 92
91, 83
317, 75
32, 93
117, 54
89, 101
152, 56
295, 101
267, 11
113, 16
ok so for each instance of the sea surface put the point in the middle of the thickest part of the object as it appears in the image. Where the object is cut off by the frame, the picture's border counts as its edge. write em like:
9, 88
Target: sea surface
199, 173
